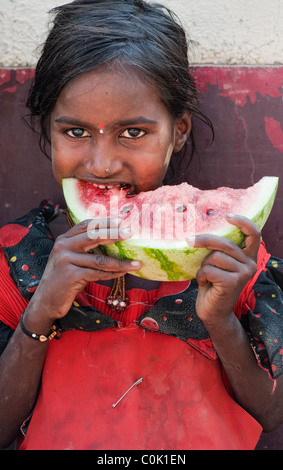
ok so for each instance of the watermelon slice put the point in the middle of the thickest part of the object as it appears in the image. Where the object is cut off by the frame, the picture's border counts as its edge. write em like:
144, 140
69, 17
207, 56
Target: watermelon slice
161, 220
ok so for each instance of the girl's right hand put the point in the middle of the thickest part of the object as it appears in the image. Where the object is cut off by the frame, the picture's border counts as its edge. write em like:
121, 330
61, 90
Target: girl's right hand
71, 266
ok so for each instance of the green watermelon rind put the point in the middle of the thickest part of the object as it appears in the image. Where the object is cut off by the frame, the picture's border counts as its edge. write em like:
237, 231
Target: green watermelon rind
180, 264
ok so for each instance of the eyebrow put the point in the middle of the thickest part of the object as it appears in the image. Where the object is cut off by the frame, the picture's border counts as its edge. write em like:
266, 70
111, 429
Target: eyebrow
127, 122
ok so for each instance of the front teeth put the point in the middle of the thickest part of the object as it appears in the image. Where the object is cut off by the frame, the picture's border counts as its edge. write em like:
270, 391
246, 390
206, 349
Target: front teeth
108, 186
102, 186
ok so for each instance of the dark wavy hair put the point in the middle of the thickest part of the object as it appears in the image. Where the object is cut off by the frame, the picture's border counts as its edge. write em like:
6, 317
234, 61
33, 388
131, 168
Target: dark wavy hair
87, 34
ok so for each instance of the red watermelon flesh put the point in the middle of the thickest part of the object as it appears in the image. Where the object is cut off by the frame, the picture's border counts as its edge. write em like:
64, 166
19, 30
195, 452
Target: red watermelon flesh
169, 212
162, 219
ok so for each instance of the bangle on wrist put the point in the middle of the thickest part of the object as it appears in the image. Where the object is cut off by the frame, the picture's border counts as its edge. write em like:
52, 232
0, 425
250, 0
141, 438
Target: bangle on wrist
54, 332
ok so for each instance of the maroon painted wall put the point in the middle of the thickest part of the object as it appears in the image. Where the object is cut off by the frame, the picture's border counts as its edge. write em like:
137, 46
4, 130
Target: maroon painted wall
246, 108
245, 105
25, 173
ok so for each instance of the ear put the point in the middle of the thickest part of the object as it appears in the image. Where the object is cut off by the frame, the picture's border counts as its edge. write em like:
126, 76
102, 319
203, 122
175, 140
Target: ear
183, 127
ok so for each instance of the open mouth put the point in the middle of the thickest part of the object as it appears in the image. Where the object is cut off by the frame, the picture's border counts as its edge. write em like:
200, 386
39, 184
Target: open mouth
130, 188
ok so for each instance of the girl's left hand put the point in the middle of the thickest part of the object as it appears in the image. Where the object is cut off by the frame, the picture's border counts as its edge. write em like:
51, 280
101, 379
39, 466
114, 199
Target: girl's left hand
225, 271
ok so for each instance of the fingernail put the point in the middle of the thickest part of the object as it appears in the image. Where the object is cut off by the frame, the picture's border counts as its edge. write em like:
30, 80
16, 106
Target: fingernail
135, 263
125, 230
116, 221
191, 240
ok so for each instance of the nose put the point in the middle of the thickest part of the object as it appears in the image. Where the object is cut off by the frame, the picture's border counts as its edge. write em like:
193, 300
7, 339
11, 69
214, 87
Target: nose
101, 156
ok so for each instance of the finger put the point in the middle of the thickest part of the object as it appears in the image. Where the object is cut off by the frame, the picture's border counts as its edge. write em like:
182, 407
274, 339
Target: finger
222, 261
101, 262
105, 236
93, 224
87, 275
214, 275
251, 231
84, 240
245, 270
96, 224
217, 243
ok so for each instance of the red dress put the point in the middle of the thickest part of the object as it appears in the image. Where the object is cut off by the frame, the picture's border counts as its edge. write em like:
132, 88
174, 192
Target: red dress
183, 401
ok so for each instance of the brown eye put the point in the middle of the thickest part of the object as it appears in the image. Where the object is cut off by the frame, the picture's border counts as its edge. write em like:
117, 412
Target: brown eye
77, 133
133, 133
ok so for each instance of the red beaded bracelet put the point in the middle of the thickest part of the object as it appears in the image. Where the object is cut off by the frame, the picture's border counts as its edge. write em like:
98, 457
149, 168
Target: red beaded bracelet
42, 338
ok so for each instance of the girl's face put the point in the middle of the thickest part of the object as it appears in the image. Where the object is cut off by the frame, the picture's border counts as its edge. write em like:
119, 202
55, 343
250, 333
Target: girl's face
114, 120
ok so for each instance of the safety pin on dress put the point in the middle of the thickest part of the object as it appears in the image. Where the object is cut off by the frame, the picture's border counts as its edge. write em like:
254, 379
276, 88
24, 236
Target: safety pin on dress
136, 383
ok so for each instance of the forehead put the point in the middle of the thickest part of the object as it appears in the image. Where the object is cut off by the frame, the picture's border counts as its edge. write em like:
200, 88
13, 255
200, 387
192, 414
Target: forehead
110, 91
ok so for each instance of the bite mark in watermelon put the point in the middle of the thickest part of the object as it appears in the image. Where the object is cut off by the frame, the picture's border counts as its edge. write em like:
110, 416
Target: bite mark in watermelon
162, 219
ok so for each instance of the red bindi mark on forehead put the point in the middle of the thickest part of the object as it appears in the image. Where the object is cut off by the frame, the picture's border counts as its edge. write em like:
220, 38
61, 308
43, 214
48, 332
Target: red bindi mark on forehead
101, 129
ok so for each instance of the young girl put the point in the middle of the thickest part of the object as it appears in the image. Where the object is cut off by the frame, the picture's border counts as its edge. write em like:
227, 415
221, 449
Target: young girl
116, 104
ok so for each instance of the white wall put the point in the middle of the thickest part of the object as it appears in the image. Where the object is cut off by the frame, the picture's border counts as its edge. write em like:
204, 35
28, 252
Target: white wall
222, 31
